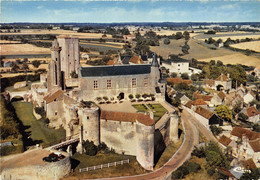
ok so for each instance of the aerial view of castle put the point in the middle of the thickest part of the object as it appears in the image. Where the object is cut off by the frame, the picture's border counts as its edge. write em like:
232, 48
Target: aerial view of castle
154, 95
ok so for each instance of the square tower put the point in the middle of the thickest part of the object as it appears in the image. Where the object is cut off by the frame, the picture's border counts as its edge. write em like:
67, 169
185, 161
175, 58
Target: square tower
69, 55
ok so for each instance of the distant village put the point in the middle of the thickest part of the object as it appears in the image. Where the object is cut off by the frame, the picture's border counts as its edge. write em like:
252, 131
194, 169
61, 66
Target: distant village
132, 100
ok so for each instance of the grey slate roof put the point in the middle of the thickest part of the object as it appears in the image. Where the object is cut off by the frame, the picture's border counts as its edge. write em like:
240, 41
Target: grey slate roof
125, 59
115, 70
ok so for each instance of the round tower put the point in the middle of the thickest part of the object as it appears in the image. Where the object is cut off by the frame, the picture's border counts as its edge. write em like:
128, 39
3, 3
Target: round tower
54, 73
91, 124
145, 145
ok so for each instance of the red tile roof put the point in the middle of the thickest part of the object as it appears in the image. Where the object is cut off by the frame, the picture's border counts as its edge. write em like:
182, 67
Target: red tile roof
255, 144
225, 140
127, 117
136, 60
239, 132
110, 62
222, 77
209, 82
189, 104
199, 102
252, 111
249, 164
197, 95
204, 112
221, 95
178, 81
51, 97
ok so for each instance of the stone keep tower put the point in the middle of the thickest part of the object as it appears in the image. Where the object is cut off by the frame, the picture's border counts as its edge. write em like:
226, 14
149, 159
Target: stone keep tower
54, 74
69, 55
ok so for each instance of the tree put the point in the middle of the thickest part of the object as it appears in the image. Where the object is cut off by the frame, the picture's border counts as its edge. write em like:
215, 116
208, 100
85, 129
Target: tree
186, 35
185, 48
25, 67
25, 59
166, 41
14, 67
36, 63
194, 77
224, 112
215, 130
137, 96
173, 75
90, 148
212, 62
131, 96
178, 35
184, 76
242, 117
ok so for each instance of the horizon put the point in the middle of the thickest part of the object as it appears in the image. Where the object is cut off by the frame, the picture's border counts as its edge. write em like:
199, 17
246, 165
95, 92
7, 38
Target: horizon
130, 11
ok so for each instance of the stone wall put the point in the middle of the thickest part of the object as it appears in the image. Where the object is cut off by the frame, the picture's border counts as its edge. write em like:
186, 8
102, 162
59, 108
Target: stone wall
119, 84
119, 135
46, 171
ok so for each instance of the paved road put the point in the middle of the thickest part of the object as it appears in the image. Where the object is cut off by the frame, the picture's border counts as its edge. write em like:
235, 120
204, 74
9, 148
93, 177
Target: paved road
190, 137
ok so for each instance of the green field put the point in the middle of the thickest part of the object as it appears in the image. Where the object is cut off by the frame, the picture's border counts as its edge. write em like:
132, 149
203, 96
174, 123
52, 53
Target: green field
37, 129
83, 161
157, 109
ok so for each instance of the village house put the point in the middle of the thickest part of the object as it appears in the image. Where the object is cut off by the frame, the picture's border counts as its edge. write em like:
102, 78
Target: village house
248, 144
222, 82
252, 113
207, 118
177, 65
250, 96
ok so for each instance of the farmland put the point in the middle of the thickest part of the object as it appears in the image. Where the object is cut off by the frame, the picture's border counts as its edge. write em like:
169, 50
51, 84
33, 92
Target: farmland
14, 49
253, 45
201, 51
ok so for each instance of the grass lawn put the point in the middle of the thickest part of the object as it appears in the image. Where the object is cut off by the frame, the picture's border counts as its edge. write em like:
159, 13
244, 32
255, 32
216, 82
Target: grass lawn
84, 160
157, 108
37, 128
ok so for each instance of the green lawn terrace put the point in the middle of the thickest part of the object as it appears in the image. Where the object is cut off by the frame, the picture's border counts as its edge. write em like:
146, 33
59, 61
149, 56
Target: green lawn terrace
156, 108
37, 130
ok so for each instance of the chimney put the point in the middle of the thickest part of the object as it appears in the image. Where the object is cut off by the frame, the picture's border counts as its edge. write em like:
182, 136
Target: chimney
151, 115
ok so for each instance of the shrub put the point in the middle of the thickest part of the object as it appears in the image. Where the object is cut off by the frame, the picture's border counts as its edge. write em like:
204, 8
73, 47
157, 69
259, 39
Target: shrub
166, 41
215, 130
40, 111
90, 148
137, 96
131, 96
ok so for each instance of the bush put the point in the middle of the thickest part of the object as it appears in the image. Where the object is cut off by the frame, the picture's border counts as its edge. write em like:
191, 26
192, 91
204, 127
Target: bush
40, 111
131, 96
166, 41
211, 172
184, 76
90, 148
215, 130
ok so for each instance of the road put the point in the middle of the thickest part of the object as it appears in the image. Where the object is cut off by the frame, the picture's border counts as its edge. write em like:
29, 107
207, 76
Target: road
190, 138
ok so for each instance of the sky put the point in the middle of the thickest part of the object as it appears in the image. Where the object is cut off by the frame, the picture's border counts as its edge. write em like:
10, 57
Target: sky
129, 11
